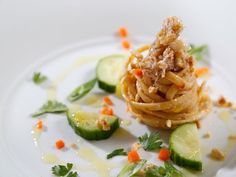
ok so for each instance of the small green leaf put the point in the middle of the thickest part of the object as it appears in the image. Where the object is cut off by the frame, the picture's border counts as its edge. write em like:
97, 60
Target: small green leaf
172, 171
38, 78
155, 172
69, 166
199, 52
82, 90
131, 169
150, 142
116, 152
72, 174
51, 107
59, 170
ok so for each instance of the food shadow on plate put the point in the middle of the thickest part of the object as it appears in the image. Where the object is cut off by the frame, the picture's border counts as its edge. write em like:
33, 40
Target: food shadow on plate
120, 139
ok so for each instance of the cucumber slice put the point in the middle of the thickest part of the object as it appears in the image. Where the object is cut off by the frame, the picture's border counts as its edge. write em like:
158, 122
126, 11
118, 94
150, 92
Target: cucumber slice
85, 124
185, 146
109, 71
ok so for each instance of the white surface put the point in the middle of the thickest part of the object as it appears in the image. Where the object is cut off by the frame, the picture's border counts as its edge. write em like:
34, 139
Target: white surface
19, 152
30, 30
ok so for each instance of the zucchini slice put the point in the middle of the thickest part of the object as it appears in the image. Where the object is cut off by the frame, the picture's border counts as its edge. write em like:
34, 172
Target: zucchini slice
185, 146
109, 71
85, 124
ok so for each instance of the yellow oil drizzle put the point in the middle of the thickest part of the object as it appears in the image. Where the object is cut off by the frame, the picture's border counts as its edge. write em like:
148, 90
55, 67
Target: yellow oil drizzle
94, 100
126, 122
96, 163
224, 116
52, 90
49, 158
74, 107
36, 133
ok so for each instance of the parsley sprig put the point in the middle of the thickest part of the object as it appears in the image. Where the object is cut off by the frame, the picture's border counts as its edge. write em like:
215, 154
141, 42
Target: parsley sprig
150, 142
116, 152
62, 170
38, 78
199, 52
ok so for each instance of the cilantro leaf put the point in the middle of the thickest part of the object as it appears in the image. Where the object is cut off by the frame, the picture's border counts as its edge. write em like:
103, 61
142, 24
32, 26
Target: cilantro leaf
172, 171
199, 52
72, 174
150, 142
51, 107
61, 170
38, 78
131, 169
167, 171
116, 152
82, 90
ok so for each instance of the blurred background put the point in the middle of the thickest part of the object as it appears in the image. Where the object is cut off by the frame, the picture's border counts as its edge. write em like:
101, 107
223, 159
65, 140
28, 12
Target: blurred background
30, 29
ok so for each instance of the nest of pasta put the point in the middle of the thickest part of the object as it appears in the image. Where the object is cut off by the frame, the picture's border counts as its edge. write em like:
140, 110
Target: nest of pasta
161, 88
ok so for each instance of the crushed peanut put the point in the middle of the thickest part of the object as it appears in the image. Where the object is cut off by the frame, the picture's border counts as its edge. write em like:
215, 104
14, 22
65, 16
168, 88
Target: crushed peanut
136, 146
168, 123
232, 137
222, 102
207, 135
198, 124
217, 154
74, 146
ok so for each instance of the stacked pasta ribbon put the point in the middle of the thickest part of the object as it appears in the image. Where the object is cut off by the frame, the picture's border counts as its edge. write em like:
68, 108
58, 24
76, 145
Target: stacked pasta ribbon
161, 88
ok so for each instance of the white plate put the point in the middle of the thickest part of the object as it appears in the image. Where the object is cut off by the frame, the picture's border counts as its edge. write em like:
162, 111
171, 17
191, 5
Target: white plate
67, 69
31, 29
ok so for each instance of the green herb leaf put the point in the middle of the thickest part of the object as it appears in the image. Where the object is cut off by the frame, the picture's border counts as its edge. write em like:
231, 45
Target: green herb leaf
155, 172
61, 170
82, 90
199, 52
172, 171
72, 174
131, 169
150, 142
38, 78
116, 152
167, 171
51, 107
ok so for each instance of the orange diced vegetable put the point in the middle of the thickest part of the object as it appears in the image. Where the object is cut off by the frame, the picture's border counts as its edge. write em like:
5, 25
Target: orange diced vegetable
164, 154
107, 100
138, 72
59, 144
39, 124
126, 44
133, 156
107, 111
201, 71
123, 32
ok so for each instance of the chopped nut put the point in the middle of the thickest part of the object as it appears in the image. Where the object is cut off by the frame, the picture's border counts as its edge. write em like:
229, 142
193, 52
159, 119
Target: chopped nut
207, 135
103, 125
217, 154
168, 123
232, 137
198, 124
74, 146
152, 89
222, 102
136, 146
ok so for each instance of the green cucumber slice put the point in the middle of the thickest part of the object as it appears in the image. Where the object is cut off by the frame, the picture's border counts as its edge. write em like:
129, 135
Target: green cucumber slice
109, 71
85, 124
185, 146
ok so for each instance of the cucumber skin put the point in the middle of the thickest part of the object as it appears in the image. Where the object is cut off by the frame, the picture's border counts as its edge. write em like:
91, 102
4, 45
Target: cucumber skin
105, 86
182, 161
93, 135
